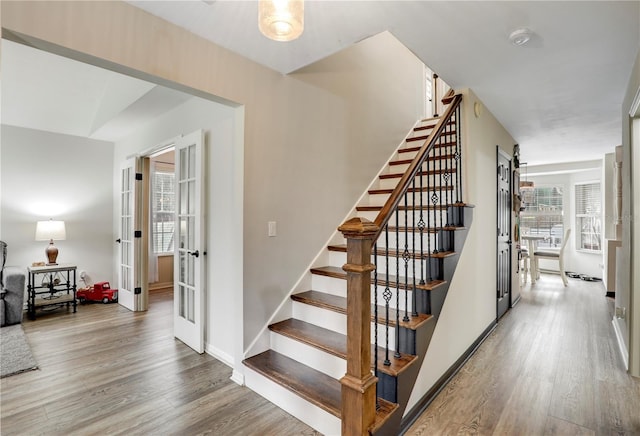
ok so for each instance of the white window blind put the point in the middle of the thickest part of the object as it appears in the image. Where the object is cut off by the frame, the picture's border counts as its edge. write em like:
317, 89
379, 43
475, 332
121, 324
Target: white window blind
163, 205
589, 216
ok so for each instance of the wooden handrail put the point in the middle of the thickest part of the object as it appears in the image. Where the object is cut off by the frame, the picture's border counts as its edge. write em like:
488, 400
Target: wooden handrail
403, 185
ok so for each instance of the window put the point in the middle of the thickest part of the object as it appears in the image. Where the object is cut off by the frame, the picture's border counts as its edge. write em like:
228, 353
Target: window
588, 216
163, 209
542, 214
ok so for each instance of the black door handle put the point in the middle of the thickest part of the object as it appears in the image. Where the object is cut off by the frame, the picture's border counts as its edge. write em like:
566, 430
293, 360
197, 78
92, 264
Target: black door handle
118, 240
194, 253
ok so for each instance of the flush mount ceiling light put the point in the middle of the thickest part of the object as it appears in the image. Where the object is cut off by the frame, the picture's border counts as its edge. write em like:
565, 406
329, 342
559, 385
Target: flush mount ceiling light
281, 20
520, 36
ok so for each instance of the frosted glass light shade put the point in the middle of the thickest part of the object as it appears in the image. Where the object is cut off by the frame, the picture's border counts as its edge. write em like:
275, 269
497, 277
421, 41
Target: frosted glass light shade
281, 20
50, 230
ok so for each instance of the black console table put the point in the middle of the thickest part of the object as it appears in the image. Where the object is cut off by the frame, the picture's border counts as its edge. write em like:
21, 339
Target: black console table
53, 285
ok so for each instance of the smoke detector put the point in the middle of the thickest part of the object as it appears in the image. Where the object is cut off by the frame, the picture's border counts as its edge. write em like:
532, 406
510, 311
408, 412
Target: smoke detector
520, 37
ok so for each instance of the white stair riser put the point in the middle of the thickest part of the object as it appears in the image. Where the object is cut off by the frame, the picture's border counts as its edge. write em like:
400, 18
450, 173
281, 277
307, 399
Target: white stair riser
337, 322
306, 412
313, 357
433, 238
382, 264
405, 154
339, 258
437, 216
329, 285
321, 285
412, 198
430, 181
320, 317
429, 241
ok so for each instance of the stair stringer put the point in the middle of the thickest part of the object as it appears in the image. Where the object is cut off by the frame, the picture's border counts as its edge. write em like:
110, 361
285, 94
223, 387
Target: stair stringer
406, 380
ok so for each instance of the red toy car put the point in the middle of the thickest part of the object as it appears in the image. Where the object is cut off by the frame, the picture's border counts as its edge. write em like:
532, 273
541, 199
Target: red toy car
99, 292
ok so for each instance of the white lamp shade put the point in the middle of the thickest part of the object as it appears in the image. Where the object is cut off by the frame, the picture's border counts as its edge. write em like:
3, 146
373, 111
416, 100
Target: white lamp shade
50, 230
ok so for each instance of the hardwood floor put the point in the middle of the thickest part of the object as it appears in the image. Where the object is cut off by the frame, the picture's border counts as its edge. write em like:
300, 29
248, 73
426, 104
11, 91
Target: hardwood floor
105, 370
551, 367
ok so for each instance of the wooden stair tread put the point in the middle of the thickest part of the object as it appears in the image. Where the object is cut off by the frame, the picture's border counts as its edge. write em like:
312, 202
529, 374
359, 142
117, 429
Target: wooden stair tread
420, 173
412, 190
431, 158
393, 252
339, 273
426, 229
424, 207
335, 343
339, 305
425, 137
383, 412
431, 126
310, 384
412, 149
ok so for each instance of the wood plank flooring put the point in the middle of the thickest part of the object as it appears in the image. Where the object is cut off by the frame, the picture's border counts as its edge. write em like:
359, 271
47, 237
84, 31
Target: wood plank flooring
105, 370
551, 367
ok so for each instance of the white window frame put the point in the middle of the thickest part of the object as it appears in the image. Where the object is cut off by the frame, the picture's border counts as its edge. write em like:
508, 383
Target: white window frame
595, 216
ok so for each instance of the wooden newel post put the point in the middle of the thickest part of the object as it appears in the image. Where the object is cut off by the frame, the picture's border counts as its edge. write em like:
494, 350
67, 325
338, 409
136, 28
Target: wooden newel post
358, 384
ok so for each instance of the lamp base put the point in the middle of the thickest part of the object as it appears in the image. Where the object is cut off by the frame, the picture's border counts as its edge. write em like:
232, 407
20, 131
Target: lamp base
52, 254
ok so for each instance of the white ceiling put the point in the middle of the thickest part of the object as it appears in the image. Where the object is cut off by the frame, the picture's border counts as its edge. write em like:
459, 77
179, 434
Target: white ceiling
559, 96
47, 92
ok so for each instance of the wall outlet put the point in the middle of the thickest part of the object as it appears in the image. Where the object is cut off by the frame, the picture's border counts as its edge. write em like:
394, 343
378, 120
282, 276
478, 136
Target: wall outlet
621, 312
272, 231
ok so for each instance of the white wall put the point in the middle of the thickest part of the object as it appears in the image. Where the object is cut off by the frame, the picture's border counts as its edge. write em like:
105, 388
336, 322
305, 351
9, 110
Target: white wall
223, 329
48, 175
576, 261
628, 295
470, 306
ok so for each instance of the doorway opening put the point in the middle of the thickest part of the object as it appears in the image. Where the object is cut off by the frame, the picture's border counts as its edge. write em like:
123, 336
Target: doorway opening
161, 218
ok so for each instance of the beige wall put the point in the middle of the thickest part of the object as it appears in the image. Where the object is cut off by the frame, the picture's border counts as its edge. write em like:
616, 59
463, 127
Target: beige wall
629, 294
312, 141
470, 306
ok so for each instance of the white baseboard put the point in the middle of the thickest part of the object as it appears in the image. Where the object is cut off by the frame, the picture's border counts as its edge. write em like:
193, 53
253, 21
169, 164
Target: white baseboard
622, 346
227, 359
222, 356
237, 377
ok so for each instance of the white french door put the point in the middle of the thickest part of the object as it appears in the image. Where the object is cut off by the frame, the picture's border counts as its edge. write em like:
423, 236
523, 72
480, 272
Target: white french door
189, 251
129, 286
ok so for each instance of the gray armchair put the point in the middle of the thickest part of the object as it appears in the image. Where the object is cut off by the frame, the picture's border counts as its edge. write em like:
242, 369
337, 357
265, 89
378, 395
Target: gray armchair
12, 285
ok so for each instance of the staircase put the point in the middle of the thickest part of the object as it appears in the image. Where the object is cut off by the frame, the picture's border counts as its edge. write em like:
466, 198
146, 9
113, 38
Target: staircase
371, 311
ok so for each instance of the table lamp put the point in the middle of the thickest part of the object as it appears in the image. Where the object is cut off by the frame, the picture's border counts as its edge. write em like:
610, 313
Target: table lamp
51, 231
